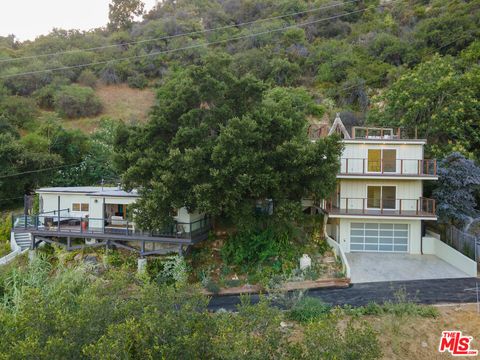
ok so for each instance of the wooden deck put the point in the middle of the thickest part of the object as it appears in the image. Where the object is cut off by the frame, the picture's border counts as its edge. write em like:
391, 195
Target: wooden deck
73, 235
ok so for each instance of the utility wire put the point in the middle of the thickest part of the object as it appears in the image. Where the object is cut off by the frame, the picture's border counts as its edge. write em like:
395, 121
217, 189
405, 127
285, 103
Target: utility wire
178, 35
192, 46
39, 170
8, 199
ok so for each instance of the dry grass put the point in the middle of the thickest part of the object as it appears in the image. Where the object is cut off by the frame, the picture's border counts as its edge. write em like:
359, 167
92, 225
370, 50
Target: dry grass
119, 102
410, 338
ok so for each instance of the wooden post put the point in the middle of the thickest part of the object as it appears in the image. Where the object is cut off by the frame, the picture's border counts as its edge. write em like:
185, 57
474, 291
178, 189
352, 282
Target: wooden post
434, 166
433, 206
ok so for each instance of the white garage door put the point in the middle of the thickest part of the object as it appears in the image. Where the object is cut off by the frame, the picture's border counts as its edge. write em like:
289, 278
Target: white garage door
379, 237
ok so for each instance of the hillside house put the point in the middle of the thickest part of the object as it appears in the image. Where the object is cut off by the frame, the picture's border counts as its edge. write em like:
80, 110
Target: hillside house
103, 216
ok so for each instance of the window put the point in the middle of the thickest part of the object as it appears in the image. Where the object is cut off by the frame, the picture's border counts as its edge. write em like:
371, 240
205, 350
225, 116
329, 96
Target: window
80, 207
381, 197
382, 160
374, 160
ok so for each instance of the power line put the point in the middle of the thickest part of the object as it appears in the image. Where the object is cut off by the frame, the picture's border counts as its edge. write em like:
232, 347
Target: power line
178, 35
189, 47
39, 170
8, 199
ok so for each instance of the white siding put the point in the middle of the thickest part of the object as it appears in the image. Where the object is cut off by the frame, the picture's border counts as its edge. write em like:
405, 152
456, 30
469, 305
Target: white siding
50, 202
356, 190
409, 153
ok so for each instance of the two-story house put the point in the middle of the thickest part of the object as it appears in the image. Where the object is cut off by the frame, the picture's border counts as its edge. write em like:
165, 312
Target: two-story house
379, 205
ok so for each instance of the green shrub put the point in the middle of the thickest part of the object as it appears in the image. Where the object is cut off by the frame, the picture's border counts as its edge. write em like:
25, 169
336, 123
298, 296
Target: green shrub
253, 247
212, 286
45, 97
88, 78
76, 101
18, 111
309, 309
137, 81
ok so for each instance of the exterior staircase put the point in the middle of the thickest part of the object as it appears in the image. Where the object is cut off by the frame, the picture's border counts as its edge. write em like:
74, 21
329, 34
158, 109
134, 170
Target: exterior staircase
23, 240
21, 220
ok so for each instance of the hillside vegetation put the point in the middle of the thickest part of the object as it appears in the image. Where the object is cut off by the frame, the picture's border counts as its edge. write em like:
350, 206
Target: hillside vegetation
408, 63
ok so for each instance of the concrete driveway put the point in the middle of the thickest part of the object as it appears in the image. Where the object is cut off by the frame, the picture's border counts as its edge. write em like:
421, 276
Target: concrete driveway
373, 267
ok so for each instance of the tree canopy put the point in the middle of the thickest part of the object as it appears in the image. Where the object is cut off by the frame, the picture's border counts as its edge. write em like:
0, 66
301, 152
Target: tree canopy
459, 180
217, 142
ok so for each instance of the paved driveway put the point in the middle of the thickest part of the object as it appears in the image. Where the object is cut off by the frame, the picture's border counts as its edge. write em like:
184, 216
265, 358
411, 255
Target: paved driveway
374, 267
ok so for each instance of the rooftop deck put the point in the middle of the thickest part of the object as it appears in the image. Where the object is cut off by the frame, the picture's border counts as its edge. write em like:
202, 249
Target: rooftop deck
383, 133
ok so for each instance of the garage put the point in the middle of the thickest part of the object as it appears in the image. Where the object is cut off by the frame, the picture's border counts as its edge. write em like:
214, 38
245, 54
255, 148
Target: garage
379, 237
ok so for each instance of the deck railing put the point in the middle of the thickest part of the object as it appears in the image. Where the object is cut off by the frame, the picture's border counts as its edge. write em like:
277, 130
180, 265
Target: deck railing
91, 226
364, 166
382, 133
375, 206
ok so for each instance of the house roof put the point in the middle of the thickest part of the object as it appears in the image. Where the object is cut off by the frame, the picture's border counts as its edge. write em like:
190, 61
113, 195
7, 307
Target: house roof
90, 190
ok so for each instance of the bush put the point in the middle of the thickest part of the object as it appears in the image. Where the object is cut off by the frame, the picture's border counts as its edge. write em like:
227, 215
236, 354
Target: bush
212, 286
309, 309
137, 81
45, 97
19, 111
88, 78
76, 101
251, 248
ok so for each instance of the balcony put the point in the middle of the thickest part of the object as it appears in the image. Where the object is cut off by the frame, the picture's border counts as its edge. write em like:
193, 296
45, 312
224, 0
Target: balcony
388, 167
421, 207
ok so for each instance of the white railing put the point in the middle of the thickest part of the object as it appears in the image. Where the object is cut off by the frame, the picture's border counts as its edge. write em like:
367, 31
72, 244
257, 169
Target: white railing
337, 249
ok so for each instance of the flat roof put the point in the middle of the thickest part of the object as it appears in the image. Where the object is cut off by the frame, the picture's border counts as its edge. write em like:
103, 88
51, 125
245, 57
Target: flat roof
90, 190
385, 141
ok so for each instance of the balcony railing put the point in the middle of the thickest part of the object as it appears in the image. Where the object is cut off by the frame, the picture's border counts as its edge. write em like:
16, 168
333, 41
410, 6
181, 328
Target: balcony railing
375, 206
412, 167
83, 226
382, 133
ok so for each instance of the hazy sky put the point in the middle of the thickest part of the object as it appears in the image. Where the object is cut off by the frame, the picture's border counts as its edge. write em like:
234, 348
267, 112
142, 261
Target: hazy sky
27, 19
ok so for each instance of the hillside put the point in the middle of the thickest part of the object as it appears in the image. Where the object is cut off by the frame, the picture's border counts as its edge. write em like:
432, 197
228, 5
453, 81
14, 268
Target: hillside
119, 102
356, 57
